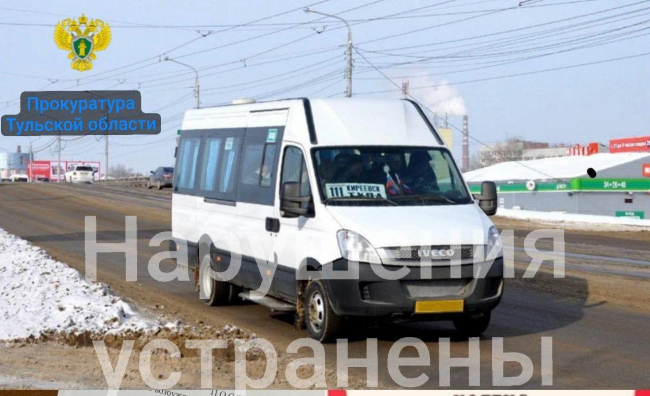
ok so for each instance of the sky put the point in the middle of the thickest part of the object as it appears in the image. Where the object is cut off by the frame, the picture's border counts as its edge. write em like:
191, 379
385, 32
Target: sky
558, 71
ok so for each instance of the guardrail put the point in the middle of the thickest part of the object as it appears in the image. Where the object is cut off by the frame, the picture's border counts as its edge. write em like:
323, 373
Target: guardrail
124, 179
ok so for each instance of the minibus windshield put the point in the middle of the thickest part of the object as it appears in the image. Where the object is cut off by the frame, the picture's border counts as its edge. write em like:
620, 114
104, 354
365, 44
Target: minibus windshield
397, 176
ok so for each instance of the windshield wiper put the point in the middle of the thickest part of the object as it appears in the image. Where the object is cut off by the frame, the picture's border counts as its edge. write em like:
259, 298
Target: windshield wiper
438, 198
359, 199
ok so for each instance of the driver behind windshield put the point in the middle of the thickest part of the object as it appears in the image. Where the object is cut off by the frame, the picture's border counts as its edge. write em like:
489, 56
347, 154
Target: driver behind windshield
351, 171
421, 176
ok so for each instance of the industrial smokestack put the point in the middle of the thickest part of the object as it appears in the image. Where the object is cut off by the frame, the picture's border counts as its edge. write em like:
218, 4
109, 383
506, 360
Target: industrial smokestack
18, 149
465, 166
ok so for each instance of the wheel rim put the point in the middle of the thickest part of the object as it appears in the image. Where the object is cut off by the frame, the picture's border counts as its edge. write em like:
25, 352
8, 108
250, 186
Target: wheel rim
206, 281
316, 311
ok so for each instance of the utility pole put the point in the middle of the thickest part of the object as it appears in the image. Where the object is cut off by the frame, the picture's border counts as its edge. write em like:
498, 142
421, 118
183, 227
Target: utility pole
405, 88
348, 52
197, 88
106, 158
31, 161
465, 166
58, 164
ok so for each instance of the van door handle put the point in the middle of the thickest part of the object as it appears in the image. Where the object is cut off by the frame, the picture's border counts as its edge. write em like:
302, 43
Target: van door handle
272, 224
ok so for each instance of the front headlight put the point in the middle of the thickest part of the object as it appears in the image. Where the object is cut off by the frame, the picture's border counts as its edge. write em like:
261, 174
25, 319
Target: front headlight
494, 248
354, 247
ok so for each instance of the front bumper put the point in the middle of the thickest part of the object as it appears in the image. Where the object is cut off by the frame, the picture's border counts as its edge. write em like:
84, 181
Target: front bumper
371, 295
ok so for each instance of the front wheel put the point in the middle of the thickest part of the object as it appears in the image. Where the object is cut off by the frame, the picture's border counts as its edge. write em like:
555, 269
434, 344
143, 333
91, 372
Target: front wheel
323, 324
473, 326
149, 184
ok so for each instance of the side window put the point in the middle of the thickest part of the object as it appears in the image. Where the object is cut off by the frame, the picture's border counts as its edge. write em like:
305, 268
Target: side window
188, 156
228, 167
258, 163
256, 177
294, 169
252, 171
209, 164
268, 163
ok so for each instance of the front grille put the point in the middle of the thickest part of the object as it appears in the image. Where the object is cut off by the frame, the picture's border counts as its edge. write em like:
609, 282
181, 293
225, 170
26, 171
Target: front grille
436, 253
436, 288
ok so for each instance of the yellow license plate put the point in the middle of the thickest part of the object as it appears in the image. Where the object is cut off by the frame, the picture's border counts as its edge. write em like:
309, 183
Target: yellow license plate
443, 306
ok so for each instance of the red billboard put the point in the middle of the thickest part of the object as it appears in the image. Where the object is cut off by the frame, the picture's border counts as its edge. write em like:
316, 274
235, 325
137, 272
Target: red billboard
629, 145
38, 169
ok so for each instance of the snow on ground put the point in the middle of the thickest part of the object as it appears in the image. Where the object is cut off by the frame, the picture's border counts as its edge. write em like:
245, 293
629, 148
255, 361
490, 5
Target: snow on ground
551, 168
39, 295
578, 220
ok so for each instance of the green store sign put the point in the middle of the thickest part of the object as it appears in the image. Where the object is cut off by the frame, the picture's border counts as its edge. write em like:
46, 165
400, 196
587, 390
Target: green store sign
631, 214
576, 184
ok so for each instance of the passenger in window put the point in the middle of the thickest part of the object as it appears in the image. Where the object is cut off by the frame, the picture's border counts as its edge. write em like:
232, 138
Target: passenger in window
394, 169
420, 175
262, 176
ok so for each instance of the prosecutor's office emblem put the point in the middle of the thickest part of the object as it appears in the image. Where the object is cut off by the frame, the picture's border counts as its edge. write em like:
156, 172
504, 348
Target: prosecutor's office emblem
82, 39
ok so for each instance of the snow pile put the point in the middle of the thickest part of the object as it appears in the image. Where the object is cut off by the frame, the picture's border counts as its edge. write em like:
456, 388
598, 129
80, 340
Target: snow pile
39, 295
608, 222
551, 168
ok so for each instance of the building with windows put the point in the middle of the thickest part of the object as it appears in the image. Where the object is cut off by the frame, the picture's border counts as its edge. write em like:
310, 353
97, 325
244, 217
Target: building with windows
13, 163
621, 186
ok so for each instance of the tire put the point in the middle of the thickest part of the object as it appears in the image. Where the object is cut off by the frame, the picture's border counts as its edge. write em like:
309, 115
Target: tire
323, 324
473, 326
216, 292
149, 186
159, 185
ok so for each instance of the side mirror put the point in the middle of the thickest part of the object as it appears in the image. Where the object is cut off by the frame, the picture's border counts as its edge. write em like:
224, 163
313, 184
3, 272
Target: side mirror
151, 172
488, 198
291, 201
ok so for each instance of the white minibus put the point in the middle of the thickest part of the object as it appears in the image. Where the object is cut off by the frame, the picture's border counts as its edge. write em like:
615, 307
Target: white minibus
335, 210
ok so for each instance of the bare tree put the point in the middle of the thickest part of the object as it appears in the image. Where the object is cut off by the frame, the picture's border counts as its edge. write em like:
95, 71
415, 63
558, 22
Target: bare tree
120, 170
474, 161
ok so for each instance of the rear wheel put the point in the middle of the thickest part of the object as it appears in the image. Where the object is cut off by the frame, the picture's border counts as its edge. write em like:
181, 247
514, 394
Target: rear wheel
213, 291
473, 326
323, 324
159, 185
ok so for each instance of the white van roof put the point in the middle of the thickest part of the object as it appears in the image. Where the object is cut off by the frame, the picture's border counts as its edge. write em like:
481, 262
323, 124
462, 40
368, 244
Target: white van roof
336, 122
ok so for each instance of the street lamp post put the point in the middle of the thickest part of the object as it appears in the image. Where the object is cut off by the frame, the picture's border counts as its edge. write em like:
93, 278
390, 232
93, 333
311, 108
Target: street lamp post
197, 91
31, 160
348, 68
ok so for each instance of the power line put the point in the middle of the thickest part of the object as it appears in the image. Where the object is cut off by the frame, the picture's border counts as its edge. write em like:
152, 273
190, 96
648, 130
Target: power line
513, 30
511, 75
291, 42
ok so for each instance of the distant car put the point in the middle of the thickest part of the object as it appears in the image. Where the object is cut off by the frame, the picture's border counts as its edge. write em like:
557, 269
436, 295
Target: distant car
42, 179
161, 177
79, 174
18, 177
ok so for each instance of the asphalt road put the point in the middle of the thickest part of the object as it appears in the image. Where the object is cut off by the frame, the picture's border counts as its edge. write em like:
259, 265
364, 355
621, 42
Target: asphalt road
595, 345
